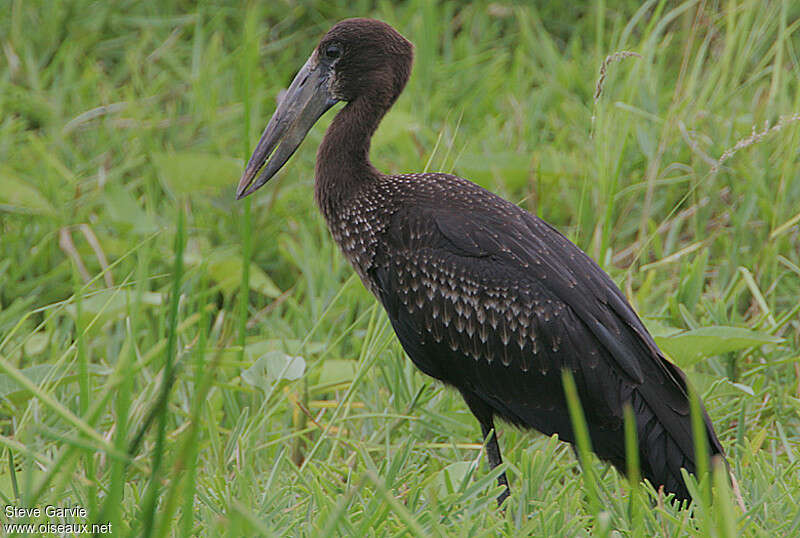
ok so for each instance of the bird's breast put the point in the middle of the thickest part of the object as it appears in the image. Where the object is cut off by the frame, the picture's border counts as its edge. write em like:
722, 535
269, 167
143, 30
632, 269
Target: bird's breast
358, 226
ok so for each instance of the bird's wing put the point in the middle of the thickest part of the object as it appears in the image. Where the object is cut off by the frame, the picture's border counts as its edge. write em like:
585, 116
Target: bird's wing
484, 295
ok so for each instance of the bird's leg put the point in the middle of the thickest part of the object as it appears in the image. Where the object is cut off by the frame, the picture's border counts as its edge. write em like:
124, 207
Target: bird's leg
493, 455
484, 415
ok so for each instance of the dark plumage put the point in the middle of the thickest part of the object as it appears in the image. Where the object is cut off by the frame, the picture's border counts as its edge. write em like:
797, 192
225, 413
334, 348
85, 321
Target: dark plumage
482, 295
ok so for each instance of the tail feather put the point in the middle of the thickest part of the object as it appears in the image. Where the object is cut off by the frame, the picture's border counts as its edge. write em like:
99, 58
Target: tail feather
665, 450
660, 456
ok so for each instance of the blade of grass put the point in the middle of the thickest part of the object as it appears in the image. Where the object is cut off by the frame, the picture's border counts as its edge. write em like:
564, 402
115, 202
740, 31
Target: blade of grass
583, 443
151, 498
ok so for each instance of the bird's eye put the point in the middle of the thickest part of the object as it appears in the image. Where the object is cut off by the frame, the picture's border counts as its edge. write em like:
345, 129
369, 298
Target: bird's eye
332, 52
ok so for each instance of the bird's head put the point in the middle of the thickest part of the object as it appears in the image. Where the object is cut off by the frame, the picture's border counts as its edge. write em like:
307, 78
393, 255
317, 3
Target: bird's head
356, 59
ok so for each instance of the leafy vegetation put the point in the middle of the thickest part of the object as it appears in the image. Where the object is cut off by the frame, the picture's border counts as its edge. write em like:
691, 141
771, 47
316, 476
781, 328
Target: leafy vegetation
292, 409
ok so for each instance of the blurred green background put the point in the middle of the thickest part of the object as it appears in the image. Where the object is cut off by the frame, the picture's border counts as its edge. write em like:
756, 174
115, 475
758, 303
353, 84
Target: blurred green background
181, 363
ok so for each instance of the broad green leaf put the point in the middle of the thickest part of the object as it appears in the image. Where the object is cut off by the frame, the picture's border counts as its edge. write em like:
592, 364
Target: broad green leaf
18, 195
37, 374
272, 367
225, 268
690, 347
122, 208
196, 173
36, 343
109, 304
449, 479
228, 274
658, 328
336, 371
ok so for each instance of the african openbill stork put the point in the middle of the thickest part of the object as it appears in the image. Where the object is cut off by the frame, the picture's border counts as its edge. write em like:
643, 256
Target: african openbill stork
482, 295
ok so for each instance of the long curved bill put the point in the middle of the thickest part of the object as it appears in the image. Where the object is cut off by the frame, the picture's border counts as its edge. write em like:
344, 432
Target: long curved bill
307, 98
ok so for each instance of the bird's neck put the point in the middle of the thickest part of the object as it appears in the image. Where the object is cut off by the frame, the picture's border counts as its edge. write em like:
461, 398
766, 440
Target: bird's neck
343, 165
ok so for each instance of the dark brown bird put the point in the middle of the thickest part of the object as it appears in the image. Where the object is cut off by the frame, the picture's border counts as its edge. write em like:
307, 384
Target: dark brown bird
482, 295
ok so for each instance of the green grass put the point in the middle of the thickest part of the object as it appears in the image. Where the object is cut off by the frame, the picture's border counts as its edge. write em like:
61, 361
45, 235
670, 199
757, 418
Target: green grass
162, 392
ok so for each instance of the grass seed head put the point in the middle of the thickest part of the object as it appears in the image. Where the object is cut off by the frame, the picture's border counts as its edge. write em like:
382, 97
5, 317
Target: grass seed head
754, 138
